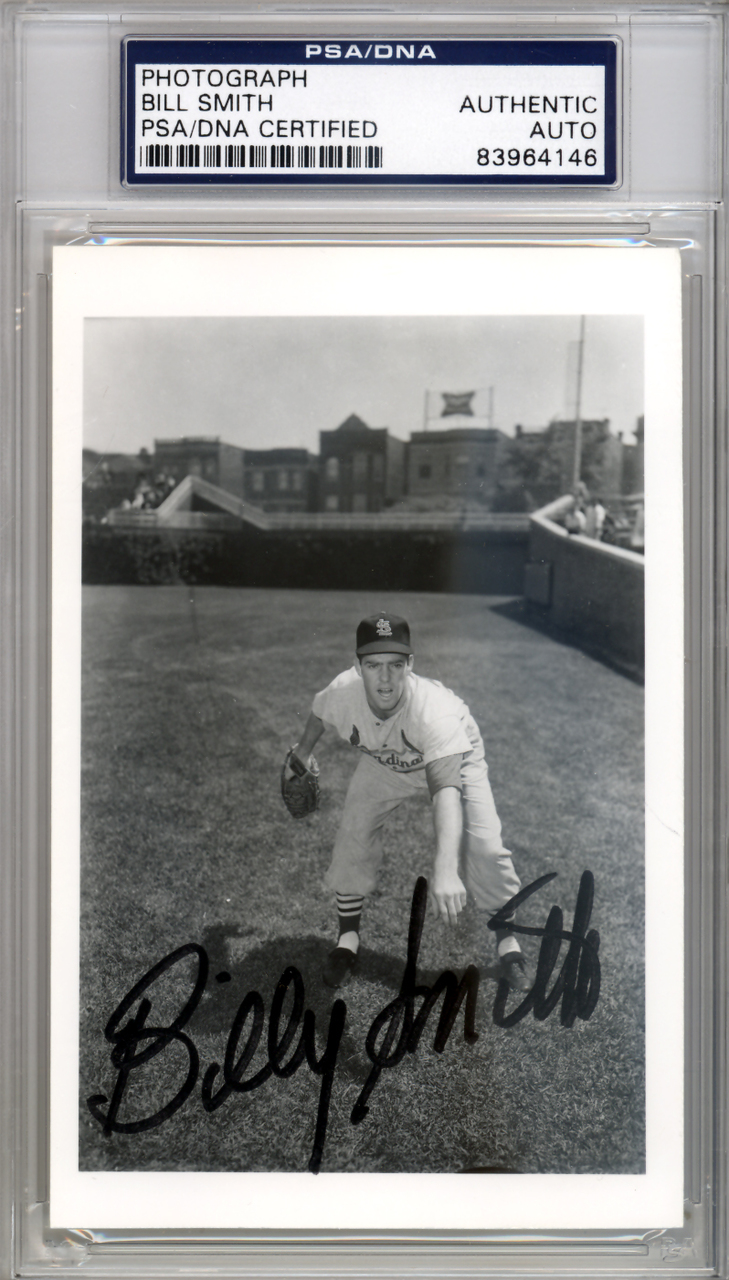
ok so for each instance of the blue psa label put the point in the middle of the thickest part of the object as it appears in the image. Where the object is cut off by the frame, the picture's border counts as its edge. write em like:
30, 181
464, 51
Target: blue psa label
343, 112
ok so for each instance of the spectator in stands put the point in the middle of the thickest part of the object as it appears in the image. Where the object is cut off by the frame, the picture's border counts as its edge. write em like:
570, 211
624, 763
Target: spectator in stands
575, 519
594, 518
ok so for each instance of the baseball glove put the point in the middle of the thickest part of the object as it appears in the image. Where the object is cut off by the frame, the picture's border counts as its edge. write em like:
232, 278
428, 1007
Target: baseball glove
300, 785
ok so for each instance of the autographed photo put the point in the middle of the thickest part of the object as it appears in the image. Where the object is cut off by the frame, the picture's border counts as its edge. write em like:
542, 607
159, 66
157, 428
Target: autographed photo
367, 725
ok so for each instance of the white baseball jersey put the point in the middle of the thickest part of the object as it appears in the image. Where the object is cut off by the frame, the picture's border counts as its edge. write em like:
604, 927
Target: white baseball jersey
431, 723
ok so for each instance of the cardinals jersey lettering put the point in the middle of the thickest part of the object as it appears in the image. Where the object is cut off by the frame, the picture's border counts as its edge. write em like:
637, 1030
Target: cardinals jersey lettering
432, 722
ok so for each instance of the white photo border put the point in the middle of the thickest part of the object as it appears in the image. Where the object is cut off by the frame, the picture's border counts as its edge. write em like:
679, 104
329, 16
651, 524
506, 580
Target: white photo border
273, 279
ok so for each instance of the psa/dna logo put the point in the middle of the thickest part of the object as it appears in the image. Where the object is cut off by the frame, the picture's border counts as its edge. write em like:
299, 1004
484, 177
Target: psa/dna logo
379, 52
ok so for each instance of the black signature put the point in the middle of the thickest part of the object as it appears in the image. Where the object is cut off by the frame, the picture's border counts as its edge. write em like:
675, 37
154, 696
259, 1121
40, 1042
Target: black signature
395, 1031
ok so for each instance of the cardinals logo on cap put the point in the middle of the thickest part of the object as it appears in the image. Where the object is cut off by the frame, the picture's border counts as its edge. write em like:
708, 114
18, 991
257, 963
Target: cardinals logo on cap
381, 634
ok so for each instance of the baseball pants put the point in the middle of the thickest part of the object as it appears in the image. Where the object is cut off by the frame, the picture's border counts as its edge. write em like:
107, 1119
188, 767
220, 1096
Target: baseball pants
375, 792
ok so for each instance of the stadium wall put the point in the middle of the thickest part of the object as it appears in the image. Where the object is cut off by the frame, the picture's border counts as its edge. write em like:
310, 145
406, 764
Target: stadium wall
589, 592
478, 561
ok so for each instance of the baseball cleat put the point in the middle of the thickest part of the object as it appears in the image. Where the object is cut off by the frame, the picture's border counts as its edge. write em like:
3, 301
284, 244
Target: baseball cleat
339, 967
513, 969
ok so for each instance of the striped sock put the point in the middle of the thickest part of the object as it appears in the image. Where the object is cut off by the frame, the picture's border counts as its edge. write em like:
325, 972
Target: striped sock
506, 942
349, 910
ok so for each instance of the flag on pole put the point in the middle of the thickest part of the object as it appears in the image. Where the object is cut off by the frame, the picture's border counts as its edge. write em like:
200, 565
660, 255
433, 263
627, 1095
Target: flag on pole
457, 403
474, 407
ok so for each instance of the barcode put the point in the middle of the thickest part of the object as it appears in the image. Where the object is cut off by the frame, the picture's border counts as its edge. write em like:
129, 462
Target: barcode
193, 156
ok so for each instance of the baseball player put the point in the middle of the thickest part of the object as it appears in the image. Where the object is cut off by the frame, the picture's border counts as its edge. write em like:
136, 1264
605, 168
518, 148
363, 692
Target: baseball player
413, 736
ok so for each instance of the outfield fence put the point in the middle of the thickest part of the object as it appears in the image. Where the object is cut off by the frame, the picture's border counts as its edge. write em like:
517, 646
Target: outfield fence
464, 560
589, 591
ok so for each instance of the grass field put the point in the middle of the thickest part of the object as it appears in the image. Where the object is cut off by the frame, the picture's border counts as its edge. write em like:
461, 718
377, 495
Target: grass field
190, 701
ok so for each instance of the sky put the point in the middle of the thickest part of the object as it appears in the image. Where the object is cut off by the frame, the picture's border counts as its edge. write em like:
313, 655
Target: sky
271, 382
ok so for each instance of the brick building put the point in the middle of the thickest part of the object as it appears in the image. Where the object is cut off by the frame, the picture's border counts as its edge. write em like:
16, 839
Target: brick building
361, 468
281, 479
462, 462
206, 456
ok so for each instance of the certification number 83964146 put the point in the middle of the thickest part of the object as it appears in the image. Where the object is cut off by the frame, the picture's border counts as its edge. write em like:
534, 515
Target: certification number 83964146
497, 156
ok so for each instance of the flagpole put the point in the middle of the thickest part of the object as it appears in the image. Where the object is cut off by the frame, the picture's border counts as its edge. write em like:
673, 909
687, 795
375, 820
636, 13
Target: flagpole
578, 407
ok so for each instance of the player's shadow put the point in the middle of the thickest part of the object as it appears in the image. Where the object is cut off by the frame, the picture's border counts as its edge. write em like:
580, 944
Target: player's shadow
260, 969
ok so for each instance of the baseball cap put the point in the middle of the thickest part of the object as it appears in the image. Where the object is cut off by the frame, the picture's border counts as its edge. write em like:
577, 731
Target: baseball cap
383, 633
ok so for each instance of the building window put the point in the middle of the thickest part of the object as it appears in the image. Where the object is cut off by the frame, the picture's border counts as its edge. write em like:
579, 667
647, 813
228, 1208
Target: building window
359, 502
297, 481
332, 502
378, 468
425, 471
283, 479
210, 468
331, 470
359, 469
257, 481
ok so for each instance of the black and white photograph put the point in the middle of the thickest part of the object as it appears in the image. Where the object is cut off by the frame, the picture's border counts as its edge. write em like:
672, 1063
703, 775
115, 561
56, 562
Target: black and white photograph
367, 744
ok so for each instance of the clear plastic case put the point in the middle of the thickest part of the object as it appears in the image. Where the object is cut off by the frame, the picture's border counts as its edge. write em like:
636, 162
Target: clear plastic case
207, 317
